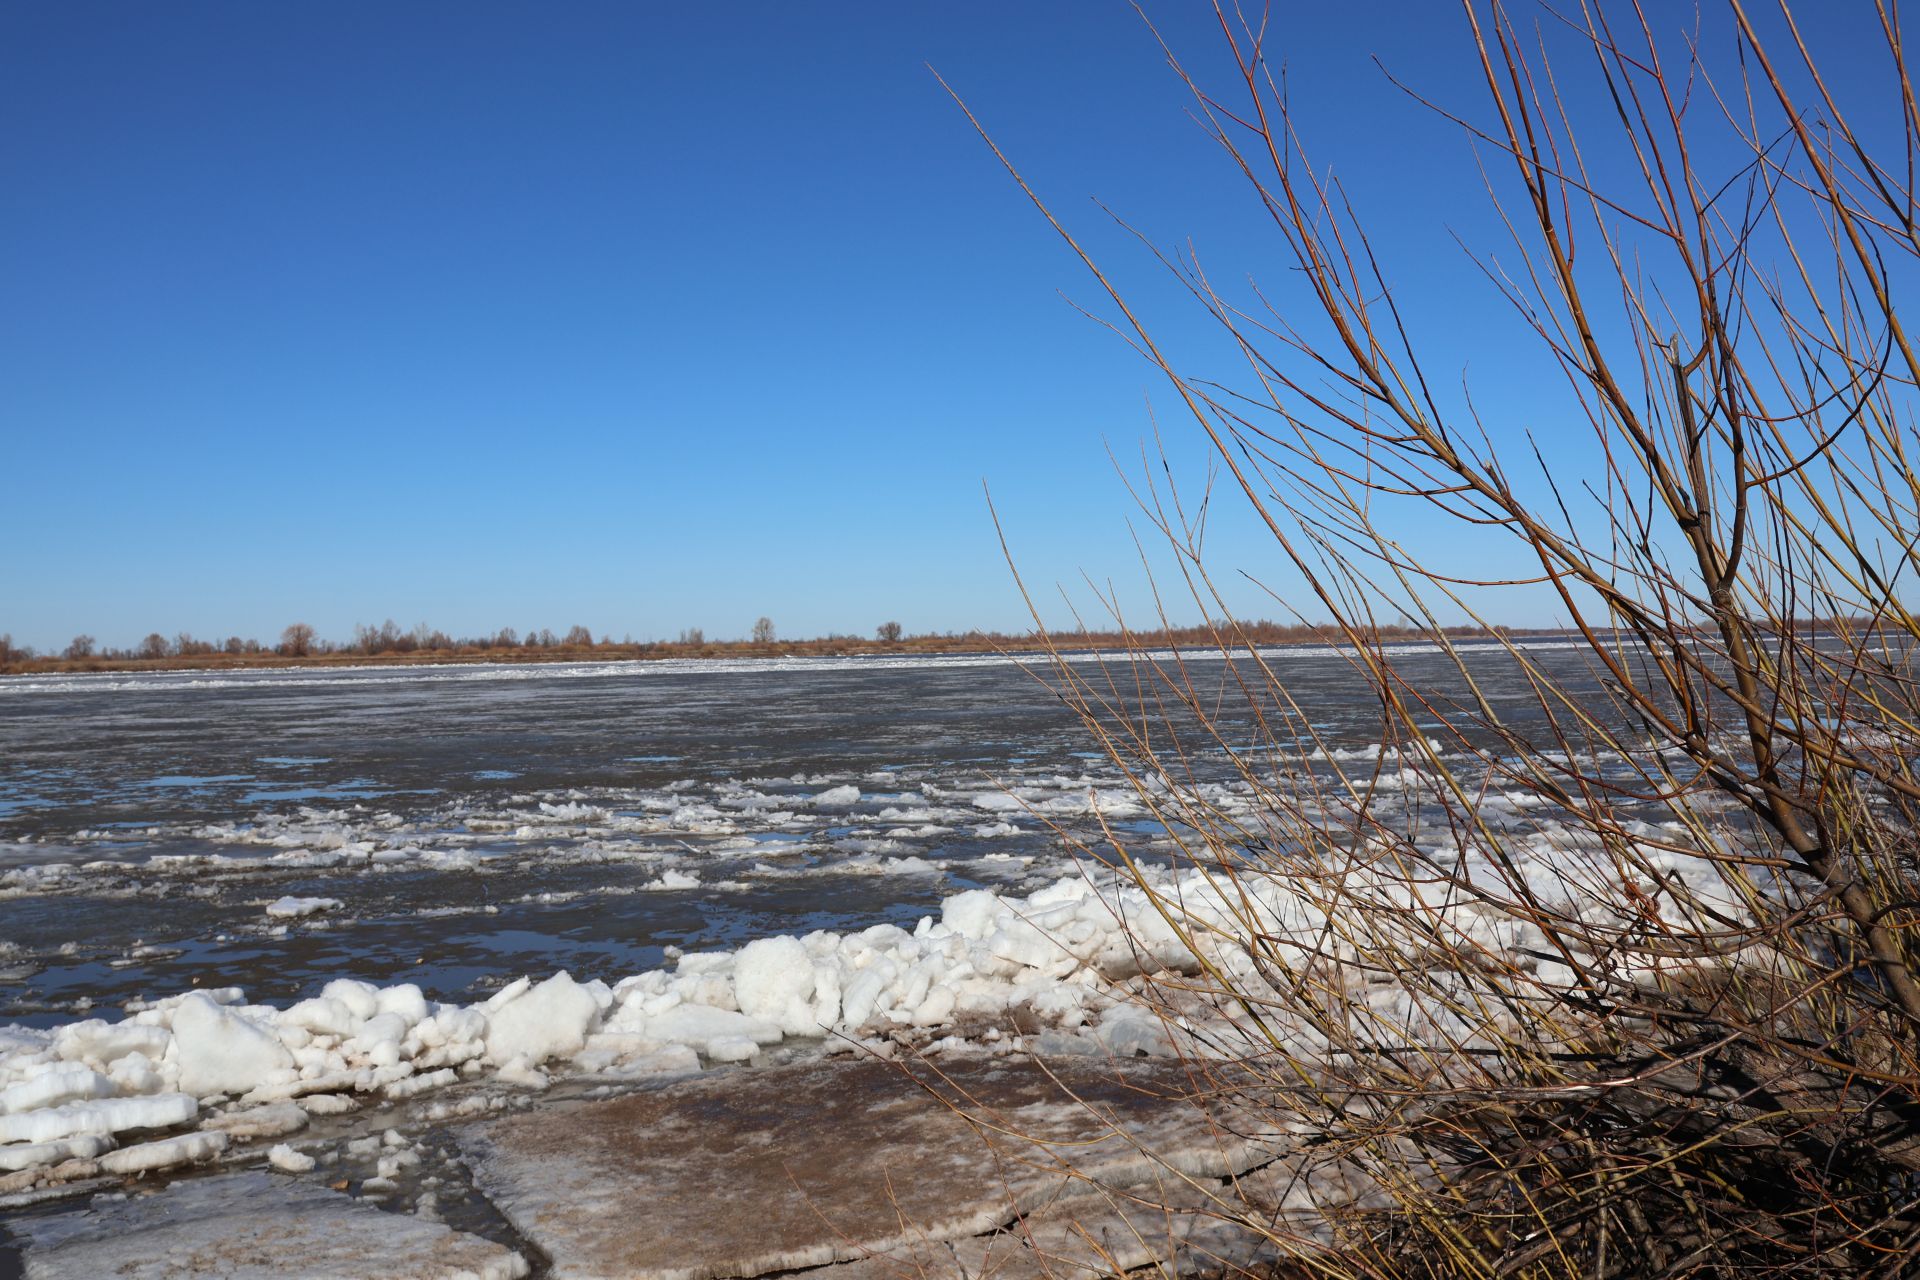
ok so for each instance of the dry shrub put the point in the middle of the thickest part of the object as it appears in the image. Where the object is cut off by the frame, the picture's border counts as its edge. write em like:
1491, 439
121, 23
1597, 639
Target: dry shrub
1602, 965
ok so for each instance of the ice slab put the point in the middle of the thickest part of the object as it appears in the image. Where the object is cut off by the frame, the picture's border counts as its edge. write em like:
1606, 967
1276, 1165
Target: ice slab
747, 1172
295, 908
1169, 1228
252, 1226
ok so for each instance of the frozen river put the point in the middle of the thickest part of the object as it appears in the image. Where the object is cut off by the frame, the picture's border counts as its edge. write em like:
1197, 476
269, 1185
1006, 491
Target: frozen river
477, 823
467, 825
338, 923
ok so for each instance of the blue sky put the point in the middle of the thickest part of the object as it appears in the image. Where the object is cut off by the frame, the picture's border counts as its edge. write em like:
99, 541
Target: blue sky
639, 316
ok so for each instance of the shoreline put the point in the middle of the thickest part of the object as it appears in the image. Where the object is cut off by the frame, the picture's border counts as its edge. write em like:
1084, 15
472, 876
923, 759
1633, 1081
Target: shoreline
832, 647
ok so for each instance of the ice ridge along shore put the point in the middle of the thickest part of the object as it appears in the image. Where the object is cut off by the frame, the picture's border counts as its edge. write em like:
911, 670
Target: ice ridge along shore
94, 1096
87, 1093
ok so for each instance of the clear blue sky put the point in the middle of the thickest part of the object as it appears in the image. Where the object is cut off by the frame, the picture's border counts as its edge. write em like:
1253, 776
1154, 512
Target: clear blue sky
638, 316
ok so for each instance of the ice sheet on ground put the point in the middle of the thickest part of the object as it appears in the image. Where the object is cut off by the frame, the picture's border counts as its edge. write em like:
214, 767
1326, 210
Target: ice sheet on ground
829, 1161
252, 1226
1175, 1227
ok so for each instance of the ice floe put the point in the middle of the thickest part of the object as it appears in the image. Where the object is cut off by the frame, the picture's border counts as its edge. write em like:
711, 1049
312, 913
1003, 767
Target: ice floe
290, 908
685, 828
255, 1225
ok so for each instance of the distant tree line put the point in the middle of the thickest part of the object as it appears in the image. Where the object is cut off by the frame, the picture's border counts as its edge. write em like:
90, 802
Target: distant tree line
301, 641
388, 640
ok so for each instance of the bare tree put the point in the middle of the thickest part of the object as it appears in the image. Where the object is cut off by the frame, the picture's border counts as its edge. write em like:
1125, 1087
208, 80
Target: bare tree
154, 647
692, 636
1600, 967
80, 647
888, 632
297, 640
763, 630
578, 637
